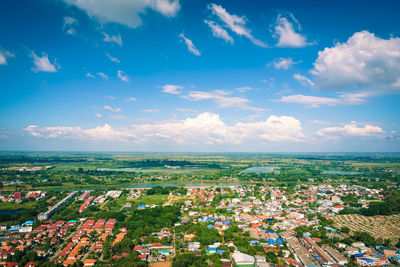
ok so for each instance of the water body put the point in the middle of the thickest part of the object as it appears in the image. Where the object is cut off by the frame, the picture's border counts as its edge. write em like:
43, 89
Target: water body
259, 170
10, 212
341, 173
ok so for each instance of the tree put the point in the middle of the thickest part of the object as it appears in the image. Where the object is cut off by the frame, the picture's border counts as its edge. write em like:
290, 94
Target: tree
345, 229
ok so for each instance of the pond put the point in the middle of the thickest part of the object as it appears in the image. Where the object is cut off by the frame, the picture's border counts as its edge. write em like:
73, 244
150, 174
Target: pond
259, 170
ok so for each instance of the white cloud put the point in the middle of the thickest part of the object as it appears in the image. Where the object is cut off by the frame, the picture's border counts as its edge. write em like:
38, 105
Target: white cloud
113, 59
365, 62
151, 110
125, 12
285, 31
235, 23
131, 99
100, 133
303, 80
89, 75
244, 88
4, 54
112, 39
192, 49
69, 24
102, 75
348, 99
223, 99
110, 97
350, 130
112, 109
283, 63
123, 76
42, 63
205, 128
98, 115
218, 31
172, 89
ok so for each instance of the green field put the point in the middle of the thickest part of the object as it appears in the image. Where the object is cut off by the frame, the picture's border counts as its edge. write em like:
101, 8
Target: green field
153, 199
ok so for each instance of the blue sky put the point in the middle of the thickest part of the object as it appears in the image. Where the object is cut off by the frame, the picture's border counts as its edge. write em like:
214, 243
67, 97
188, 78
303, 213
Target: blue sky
173, 75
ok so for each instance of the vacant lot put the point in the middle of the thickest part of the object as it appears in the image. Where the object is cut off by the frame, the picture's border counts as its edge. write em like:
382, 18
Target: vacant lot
386, 227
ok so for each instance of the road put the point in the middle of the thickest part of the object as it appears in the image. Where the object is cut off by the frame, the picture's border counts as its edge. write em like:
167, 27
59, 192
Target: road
68, 237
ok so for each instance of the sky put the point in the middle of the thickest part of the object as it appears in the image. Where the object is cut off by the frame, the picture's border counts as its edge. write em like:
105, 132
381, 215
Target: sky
200, 76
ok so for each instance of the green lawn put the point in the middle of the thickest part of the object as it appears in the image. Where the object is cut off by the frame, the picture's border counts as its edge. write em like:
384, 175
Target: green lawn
152, 199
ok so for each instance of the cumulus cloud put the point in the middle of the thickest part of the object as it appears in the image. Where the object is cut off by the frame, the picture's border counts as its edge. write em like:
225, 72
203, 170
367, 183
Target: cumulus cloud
124, 12
89, 75
205, 128
98, 115
352, 129
122, 76
131, 99
100, 133
191, 47
69, 24
364, 62
223, 99
218, 31
172, 89
283, 63
235, 23
42, 63
285, 31
4, 54
303, 80
102, 75
113, 59
112, 109
112, 39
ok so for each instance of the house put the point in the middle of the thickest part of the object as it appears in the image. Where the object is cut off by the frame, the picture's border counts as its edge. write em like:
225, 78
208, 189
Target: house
242, 259
89, 262
164, 252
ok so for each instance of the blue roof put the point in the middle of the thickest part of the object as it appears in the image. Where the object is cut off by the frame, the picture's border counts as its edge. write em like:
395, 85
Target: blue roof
142, 205
210, 226
367, 260
28, 222
271, 241
226, 222
269, 232
220, 251
279, 241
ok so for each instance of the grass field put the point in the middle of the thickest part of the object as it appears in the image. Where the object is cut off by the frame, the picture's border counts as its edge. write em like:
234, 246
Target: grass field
153, 199
15, 206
